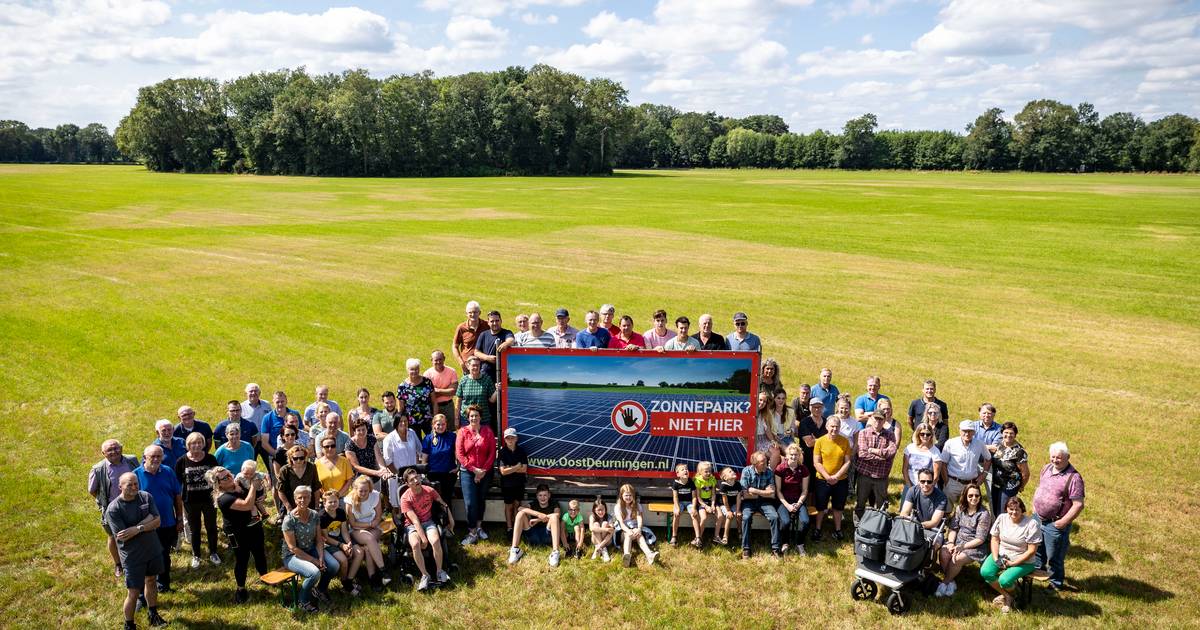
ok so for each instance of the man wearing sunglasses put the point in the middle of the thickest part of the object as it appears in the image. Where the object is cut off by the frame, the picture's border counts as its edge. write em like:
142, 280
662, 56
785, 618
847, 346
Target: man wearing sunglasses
741, 338
926, 503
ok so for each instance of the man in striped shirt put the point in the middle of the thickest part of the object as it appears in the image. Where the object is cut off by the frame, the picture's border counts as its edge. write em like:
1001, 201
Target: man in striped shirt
535, 337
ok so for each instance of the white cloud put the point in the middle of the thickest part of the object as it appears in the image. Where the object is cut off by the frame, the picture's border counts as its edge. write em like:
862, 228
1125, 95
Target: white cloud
764, 55
604, 57
841, 10
533, 19
867, 40
473, 31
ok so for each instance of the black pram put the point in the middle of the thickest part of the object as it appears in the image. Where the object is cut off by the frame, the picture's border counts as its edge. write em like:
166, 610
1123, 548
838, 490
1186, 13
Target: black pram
891, 552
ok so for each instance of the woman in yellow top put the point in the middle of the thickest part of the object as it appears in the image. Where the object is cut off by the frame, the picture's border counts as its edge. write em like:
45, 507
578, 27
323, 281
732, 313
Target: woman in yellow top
333, 470
831, 458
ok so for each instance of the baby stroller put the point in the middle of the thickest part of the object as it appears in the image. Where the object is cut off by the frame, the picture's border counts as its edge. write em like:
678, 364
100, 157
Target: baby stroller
891, 552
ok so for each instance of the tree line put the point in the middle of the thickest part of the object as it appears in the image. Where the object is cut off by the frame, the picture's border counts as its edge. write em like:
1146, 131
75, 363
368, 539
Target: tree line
545, 121
64, 143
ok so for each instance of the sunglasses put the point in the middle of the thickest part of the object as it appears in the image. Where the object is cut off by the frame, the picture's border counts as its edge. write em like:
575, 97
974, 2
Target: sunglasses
925, 434
298, 458
925, 482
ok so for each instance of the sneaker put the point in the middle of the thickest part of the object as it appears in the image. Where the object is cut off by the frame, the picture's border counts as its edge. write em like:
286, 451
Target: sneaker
554, 556
514, 555
837, 535
321, 596
941, 590
653, 555
595, 554
816, 535
384, 580
355, 590
579, 553
604, 555
483, 534
785, 548
214, 558
443, 577
951, 589
156, 620
800, 551
130, 625
423, 585
745, 554
471, 539
240, 596
309, 608
627, 560
195, 562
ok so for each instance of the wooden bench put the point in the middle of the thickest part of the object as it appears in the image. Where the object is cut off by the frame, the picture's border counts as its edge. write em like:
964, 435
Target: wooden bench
667, 508
282, 576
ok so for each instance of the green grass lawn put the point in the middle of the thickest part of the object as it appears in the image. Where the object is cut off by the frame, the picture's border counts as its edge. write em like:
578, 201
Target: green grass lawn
1067, 301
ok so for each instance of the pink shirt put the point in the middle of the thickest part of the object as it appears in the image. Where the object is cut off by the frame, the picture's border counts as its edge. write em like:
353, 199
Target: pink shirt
1056, 490
476, 450
422, 503
442, 381
653, 341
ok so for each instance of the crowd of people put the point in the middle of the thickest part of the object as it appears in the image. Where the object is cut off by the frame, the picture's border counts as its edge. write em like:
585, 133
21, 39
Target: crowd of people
334, 475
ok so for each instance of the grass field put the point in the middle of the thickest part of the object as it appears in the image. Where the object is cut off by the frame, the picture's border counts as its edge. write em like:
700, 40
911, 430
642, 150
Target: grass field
1065, 300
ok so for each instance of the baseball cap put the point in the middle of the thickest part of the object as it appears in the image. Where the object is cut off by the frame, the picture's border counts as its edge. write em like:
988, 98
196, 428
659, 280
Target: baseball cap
739, 316
966, 425
816, 401
562, 312
510, 432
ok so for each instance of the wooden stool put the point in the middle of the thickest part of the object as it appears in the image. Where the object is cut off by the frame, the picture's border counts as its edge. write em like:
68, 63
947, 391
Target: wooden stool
280, 576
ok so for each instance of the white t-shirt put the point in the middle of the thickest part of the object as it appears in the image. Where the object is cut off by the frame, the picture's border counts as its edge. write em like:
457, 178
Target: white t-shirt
919, 460
962, 461
365, 512
1015, 538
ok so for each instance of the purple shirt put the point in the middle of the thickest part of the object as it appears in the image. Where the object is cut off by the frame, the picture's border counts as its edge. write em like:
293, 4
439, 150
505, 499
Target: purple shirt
1056, 490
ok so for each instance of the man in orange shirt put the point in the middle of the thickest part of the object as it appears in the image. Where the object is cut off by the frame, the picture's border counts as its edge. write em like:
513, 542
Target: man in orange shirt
466, 333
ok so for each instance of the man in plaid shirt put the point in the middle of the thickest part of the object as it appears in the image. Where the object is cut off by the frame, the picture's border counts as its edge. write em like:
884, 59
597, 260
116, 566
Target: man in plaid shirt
876, 449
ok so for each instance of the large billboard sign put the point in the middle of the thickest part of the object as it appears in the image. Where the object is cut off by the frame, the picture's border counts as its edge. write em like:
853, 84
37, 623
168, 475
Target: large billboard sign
620, 414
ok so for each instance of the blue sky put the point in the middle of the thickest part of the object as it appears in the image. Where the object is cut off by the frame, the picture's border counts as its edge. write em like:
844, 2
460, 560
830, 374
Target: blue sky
914, 63
600, 370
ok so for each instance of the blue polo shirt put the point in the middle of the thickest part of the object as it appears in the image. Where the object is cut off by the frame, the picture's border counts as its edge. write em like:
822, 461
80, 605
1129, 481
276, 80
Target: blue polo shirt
866, 403
171, 452
441, 455
249, 430
272, 424
990, 435
598, 339
750, 344
828, 397
163, 487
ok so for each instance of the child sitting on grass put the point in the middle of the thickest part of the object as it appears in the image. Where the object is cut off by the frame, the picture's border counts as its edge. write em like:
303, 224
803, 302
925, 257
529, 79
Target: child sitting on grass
603, 529
629, 517
541, 523
572, 529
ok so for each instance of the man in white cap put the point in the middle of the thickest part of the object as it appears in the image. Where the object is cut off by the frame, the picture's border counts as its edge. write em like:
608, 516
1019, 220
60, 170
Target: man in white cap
741, 338
967, 460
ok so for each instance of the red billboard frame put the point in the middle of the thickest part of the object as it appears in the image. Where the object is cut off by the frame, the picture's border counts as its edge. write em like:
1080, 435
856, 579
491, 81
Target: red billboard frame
502, 378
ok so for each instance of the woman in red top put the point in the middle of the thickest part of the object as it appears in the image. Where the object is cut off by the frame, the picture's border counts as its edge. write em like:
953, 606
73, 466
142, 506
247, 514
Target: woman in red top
475, 449
791, 486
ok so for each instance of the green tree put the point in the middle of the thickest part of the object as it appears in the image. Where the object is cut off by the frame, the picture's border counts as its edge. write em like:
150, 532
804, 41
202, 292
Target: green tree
1167, 143
406, 106
857, 149
96, 145
693, 133
717, 156
251, 102
988, 145
178, 125
1046, 137
355, 106
762, 123
1116, 142
939, 150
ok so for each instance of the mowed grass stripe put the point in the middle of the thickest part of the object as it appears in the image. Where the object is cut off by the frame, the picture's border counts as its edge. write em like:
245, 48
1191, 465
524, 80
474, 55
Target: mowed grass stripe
1064, 300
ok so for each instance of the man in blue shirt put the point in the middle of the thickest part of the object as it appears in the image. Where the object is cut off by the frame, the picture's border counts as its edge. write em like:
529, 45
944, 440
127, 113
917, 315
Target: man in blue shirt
987, 430
593, 336
758, 482
826, 392
160, 482
188, 424
310, 412
173, 448
491, 343
233, 410
741, 338
272, 425
864, 405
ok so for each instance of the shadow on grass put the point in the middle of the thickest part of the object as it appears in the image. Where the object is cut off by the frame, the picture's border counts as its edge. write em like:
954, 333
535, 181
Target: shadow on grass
1123, 587
1090, 555
210, 625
